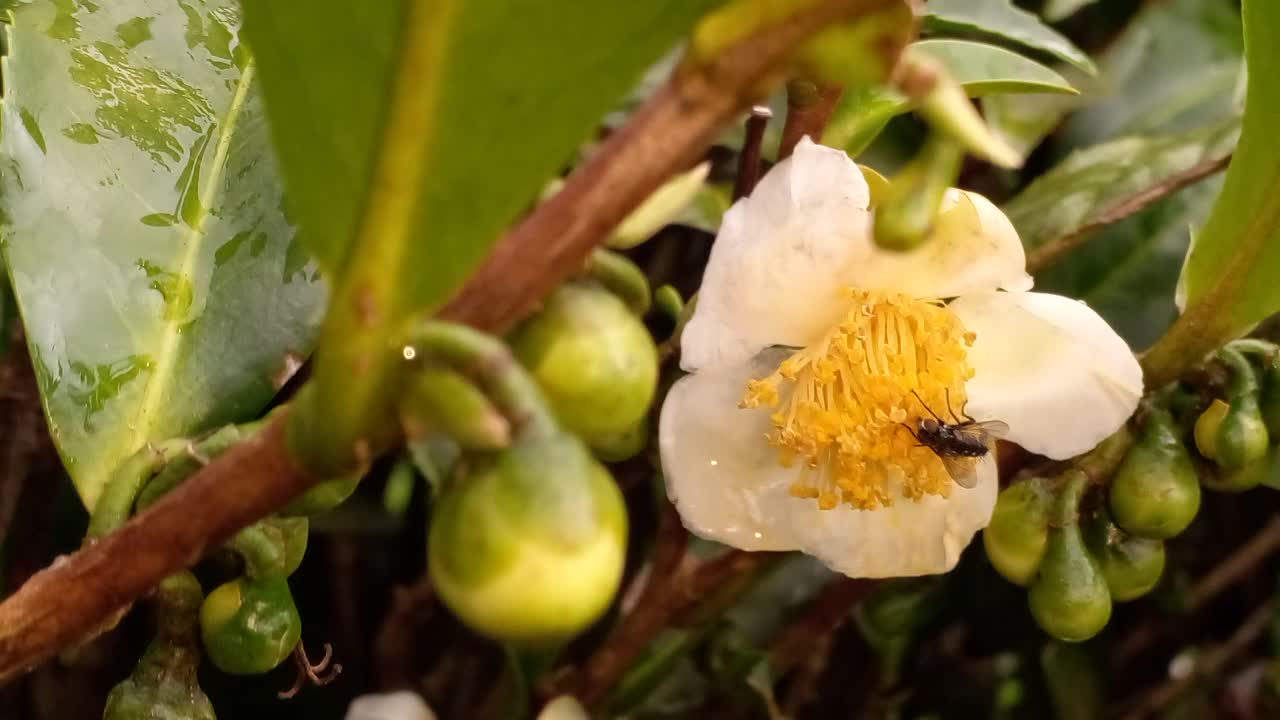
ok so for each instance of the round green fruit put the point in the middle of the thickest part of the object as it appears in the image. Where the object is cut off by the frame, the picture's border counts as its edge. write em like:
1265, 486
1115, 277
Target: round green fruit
1155, 493
593, 359
1018, 533
1131, 565
250, 625
1069, 598
529, 546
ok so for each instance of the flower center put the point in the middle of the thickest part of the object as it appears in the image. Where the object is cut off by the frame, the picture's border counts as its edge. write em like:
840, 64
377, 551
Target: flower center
847, 406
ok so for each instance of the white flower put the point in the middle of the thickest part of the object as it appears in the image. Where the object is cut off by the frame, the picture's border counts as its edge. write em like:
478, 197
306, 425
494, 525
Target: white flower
400, 705
814, 356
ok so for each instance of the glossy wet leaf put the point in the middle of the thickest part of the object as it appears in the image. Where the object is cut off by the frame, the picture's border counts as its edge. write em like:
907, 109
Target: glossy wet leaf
1081, 191
980, 68
159, 280
1000, 18
1236, 258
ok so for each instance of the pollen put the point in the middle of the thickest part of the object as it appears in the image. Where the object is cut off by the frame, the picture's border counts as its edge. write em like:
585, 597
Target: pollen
843, 409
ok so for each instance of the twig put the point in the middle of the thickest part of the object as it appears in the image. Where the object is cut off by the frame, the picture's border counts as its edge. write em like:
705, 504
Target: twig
825, 614
1212, 662
1054, 250
749, 156
809, 109
71, 599
1238, 566
395, 648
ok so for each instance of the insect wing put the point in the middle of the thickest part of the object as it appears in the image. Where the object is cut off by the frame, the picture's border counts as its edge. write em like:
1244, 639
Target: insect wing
964, 470
986, 431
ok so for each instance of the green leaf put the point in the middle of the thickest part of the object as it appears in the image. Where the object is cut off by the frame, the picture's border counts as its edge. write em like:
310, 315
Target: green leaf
999, 18
1236, 258
426, 127
986, 69
1175, 67
160, 283
1089, 185
981, 69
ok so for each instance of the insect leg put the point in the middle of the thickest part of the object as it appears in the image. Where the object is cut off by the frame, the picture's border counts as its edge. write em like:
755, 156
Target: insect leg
927, 408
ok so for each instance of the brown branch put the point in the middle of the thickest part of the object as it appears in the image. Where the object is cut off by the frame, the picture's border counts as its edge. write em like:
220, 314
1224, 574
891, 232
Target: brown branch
1209, 664
1054, 250
809, 109
80, 593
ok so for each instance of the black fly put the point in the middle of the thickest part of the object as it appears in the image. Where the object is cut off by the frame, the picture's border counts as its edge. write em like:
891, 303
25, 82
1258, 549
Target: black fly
957, 444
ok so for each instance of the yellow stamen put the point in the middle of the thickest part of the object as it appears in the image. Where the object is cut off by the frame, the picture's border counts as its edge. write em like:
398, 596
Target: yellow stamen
842, 407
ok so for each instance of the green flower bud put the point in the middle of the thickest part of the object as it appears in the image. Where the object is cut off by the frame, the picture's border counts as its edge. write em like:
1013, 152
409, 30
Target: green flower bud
1155, 492
529, 546
617, 448
1238, 436
593, 359
1246, 478
1131, 565
1242, 436
162, 687
1018, 533
1069, 598
250, 625
1270, 399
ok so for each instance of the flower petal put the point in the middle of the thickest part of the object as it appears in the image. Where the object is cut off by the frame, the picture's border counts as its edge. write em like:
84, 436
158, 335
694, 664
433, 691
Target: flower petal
780, 260
1050, 367
720, 472
906, 539
973, 248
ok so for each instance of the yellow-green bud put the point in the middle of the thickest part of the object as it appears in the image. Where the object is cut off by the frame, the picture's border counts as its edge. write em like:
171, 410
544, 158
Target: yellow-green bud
529, 546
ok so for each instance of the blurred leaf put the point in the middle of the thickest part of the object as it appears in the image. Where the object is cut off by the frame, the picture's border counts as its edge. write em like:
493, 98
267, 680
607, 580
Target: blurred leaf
1237, 255
981, 69
491, 139
1023, 121
1001, 19
1128, 272
451, 117
1174, 68
987, 69
1081, 191
159, 280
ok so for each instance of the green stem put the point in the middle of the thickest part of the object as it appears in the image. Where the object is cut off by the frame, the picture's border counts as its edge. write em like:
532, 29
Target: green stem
492, 364
1066, 507
177, 602
621, 277
669, 302
194, 455
263, 549
1244, 380
123, 487
1098, 464
1255, 346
